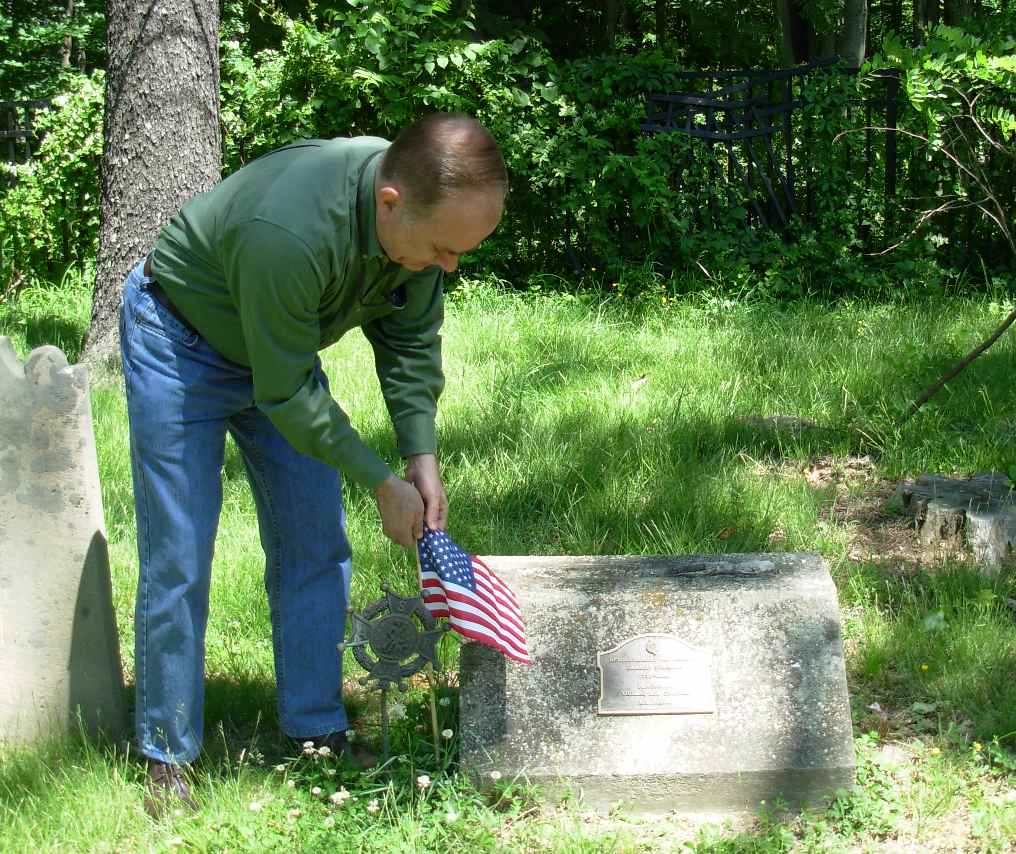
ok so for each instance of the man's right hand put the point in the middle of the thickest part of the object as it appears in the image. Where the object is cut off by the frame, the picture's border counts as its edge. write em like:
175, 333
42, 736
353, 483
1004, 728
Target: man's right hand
401, 509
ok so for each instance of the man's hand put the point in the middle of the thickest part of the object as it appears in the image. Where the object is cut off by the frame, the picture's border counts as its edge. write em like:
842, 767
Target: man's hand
422, 472
401, 510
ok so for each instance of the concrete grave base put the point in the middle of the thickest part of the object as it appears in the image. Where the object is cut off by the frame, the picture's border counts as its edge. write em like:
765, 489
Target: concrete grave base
752, 639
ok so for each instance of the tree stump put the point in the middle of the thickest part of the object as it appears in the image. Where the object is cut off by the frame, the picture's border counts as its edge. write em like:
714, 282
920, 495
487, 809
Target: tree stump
976, 515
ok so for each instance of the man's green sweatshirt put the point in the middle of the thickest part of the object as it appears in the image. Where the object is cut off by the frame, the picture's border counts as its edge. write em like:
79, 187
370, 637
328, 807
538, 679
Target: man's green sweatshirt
281, 259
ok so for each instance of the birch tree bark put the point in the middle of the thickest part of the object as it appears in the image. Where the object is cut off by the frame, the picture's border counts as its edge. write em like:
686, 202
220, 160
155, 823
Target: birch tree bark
161, 133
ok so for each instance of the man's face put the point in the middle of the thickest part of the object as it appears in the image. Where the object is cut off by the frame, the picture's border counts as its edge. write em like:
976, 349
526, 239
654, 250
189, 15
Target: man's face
456, 225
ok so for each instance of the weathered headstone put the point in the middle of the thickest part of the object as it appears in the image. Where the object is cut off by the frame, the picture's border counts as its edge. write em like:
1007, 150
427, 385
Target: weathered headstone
698, 684
953, 515
59, 653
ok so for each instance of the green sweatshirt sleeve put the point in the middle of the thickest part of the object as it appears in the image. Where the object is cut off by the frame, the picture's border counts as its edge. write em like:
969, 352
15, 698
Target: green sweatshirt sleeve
276, 283
407, 356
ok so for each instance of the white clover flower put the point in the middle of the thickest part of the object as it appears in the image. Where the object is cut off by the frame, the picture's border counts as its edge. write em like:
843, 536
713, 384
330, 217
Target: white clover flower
445, 701
398, 711
329, 822
423, 781
175, 841
350, 735
495, 775
451, 817
330, 772
446, 734
324, 750
373, 806
281, 766
339, 797
316, 792
291, 784
255, 806
293, 814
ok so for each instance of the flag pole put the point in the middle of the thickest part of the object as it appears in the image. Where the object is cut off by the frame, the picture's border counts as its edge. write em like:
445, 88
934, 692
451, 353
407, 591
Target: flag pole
430, 680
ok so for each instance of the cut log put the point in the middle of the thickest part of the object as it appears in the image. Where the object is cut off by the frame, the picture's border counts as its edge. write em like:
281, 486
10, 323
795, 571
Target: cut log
976, 515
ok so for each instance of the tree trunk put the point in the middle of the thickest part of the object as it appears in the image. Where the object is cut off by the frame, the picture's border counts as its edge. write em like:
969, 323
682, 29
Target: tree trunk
795, 31
855, 29
613, 9
820, 45
957, 13
892, 15
920, 19
161, 142
65, 51
661, 21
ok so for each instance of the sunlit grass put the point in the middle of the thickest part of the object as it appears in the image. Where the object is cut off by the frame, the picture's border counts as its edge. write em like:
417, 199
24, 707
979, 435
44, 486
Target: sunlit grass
582, 426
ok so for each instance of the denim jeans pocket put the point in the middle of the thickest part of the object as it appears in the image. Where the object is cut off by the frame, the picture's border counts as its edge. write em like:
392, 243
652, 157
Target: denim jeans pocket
159, 320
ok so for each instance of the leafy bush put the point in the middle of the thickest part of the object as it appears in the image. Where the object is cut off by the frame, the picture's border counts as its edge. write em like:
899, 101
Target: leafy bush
590, 194
961, 89
49, 216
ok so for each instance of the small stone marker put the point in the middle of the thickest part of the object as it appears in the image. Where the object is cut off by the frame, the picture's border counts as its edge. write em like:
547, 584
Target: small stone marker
698, 684
59, 652
978, 513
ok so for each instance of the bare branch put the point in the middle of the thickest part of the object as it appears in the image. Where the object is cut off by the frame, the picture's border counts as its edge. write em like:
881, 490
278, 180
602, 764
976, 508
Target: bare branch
989, 205
931, 390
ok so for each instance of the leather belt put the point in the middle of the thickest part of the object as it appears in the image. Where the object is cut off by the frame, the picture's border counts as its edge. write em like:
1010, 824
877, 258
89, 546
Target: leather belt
159, 295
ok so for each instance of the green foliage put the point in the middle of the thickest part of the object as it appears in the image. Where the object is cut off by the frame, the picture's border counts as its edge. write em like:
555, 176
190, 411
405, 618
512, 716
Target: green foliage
368, 67
32, 39
961, 88
49, 217
588, 191
590, 194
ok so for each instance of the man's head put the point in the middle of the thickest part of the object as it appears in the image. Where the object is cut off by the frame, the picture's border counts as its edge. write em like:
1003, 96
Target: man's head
440, 191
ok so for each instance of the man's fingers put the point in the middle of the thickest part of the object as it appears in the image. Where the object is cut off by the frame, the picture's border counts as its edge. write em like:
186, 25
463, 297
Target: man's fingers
437, 511
402, 509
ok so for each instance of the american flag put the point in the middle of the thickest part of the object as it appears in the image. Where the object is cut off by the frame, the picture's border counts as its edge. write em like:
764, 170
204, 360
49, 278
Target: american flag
477, 603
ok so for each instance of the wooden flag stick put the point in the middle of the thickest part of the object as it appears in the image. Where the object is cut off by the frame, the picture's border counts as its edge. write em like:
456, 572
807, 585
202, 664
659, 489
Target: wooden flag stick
430, 682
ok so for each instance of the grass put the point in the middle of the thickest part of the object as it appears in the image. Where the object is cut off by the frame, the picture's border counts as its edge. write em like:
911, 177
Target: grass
586, 426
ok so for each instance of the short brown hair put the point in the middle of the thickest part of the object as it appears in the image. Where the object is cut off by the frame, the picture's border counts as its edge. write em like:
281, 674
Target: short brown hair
443, 153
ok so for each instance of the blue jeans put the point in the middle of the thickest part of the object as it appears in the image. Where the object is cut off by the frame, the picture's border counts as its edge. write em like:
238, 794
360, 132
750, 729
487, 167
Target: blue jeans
182, 398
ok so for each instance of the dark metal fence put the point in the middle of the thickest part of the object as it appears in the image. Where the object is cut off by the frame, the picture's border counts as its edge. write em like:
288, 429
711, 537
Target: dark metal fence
762, 122
18, 139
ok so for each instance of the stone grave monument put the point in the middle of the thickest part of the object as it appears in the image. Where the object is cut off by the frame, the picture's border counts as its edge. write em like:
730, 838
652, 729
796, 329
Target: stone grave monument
59, 653
696, 684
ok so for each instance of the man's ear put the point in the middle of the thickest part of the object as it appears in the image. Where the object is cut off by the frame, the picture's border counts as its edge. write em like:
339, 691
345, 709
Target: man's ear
389, 198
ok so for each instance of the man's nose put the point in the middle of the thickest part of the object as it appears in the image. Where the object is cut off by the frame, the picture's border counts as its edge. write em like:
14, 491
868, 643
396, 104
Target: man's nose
448, 262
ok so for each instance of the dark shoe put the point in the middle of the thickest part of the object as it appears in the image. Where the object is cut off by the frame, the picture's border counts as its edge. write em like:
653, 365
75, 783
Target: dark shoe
167, 789
338, 744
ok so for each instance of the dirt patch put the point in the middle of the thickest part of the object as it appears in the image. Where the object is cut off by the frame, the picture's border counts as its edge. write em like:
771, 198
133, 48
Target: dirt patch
862, 502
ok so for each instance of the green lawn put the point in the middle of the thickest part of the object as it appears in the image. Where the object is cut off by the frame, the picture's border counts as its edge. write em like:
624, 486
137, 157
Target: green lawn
577, 426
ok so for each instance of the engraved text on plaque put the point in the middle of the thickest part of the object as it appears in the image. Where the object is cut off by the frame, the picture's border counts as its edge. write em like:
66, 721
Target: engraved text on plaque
654, 674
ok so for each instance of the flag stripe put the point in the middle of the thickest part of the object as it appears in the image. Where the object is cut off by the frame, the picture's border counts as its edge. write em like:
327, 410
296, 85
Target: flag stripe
453, 591
461, 620
463, 606
499, 594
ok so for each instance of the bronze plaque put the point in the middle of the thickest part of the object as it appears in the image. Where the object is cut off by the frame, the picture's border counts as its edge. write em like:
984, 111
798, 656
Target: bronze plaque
654, 675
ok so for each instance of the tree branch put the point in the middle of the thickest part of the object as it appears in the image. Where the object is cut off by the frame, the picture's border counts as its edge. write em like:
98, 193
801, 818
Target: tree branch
989, 206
